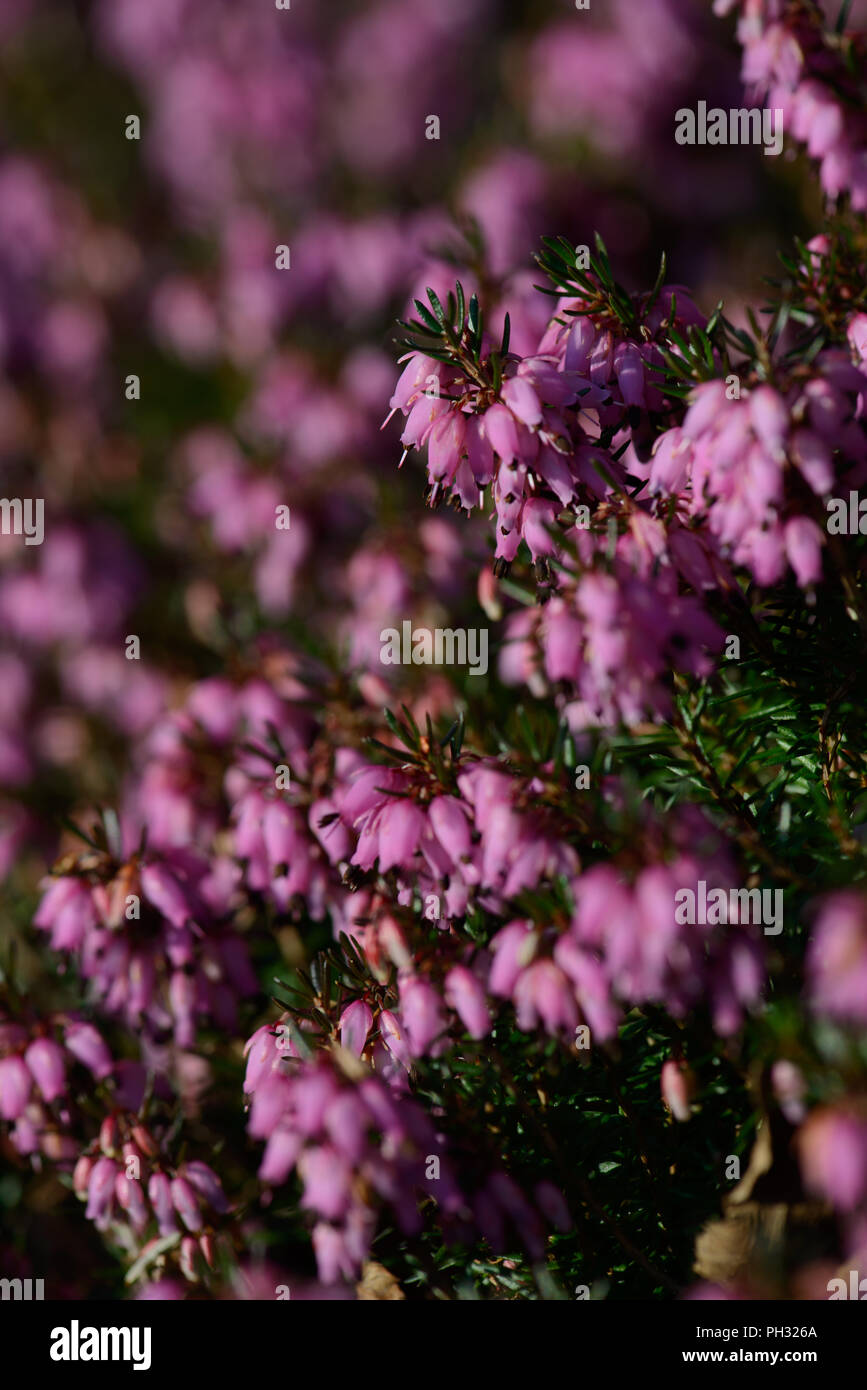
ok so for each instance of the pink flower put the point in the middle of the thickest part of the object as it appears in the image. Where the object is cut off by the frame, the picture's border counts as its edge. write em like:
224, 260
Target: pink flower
186, 1204
326, 1176
629, 370
207, 1184
790, 1088
347, 1122
166, 893
675, 1084
15, 1087
523, 402
543, 993
513, 949
451, 827
130, 1198
312, 1092
47, 1067
421, 1014
333, 1258
669, 468
837, 959
833, 1153
355, 1024
803, 542
67, 911
85, 1044
280, 1156
262, 1053
160, 1195
395, 1038
464, 994
856, 332
400, 828
501, 430
100, 1192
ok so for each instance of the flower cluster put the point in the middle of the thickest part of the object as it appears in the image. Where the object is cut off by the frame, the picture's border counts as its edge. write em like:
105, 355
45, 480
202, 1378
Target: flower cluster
751, 467
357, 1145
131, 1190
147, 932
792, 61
36, 1091
609, 640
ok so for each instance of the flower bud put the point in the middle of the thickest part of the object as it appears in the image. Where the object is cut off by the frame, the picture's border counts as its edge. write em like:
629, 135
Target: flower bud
15, 1086
205, 1181
44, 1057
186, 1205
81, 1176
108, 1136
355, 1024
832, 1147
160, 1195
100, 1192
87, 1047
677, 1083
145, 1141
188, 1258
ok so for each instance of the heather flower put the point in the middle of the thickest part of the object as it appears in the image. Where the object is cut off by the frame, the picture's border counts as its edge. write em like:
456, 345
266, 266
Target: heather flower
515, 439
837, 959
45, 1062
280, 854
101, 1192
364, 1146
160, 1197
37, 1081
832, 1146
131, 1191
732, 460
675, 1085
610, 642
543, 994
81, 588
15, 1084
790, 1089
375, 1138
790, 61
149, 937
355, 1024
185, 1204
421, 1014
856, 334
606, 83
465, 994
